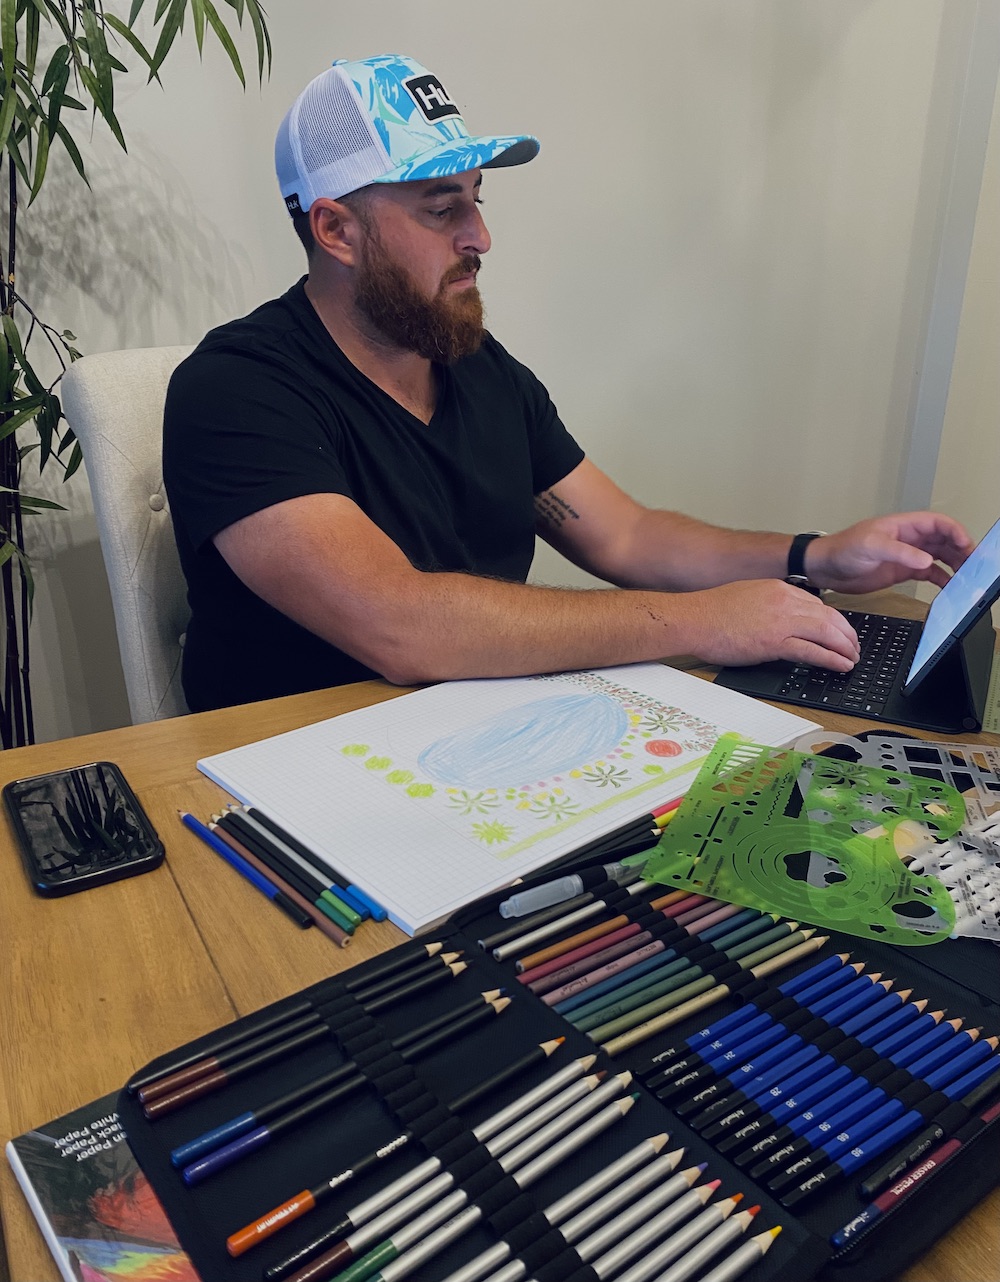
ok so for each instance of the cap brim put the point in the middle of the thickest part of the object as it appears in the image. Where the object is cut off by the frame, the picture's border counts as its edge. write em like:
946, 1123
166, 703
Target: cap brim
460, 157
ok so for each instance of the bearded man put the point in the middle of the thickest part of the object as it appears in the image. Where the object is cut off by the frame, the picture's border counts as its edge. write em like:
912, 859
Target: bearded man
357, 470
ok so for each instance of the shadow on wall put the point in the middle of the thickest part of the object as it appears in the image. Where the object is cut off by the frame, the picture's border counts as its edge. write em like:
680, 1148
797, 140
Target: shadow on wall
73, 620
147, 265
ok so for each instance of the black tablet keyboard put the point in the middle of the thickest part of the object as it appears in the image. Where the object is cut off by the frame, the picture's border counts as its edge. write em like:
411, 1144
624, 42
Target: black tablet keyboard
887, 646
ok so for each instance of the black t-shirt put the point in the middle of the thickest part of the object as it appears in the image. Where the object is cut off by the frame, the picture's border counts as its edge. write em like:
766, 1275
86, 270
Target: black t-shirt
268, 408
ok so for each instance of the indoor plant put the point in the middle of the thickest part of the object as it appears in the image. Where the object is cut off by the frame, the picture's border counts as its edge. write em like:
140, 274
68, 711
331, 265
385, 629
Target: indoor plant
58, 57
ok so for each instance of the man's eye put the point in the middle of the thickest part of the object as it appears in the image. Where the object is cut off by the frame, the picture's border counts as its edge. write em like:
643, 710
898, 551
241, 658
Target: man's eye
440, 213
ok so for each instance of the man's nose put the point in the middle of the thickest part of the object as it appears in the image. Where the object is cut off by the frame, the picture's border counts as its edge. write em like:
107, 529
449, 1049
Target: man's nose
474, 237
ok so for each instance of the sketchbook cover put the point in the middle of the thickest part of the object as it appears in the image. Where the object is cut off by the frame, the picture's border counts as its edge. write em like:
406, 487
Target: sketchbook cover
98, 1214
435, 798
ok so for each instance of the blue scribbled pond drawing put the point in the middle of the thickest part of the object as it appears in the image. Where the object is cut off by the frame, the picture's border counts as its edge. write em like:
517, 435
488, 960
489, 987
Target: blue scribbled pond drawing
533, 741
528, 770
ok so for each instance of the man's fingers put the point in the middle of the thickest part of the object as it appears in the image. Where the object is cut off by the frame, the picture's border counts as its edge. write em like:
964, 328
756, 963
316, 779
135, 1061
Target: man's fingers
799, 651
845, 631
937, 575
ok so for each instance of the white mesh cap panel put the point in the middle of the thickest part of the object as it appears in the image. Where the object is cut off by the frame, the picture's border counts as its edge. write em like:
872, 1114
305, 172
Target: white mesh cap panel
326, 145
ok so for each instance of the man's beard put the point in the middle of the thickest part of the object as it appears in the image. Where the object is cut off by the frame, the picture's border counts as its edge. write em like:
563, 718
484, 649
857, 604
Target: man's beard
443, 328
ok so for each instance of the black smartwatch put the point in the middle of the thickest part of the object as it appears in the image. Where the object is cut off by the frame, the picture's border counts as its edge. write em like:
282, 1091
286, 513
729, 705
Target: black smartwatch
796, 574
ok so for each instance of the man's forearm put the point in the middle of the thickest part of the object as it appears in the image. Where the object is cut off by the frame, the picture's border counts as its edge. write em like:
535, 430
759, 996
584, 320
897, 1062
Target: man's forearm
438, 627
598, 526
450, 626
673, 552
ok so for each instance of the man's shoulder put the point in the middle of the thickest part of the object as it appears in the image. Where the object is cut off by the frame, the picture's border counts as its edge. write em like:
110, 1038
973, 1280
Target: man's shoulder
276, 331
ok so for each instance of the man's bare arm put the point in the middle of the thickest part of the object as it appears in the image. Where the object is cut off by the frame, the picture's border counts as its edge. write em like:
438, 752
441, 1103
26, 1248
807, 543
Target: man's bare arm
598, 526
321, 561
595, 524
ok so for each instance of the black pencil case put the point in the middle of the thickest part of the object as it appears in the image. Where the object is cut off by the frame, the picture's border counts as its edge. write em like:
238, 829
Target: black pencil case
960, 975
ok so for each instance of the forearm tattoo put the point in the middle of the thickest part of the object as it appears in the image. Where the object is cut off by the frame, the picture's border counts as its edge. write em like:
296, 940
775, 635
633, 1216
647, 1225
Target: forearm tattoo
554, 511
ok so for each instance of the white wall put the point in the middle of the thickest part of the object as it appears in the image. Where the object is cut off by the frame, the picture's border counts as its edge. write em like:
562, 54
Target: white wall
968, 471
718, 264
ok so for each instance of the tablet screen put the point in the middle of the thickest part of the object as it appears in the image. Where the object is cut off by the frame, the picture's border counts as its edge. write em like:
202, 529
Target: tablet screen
971, 590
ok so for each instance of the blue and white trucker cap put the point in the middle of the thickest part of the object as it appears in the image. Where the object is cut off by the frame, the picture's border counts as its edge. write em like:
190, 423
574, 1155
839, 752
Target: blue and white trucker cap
379, 120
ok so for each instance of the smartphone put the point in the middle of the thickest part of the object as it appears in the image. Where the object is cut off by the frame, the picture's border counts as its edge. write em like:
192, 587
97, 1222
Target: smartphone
81, 827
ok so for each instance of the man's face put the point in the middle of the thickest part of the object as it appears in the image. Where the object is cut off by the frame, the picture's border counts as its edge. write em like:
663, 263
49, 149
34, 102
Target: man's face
416, 279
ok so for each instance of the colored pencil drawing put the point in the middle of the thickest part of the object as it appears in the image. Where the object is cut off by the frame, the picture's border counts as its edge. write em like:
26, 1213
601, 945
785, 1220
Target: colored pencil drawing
532, 769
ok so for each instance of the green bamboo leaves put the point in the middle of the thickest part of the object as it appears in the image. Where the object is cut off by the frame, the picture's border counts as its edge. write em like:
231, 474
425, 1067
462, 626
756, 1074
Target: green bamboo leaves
56, 57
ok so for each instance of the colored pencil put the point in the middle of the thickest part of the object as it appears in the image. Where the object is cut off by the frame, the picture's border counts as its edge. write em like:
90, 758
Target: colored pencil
302, 1203
943, 1125
420, 1240
531, 1134
614, 1188
914, 1179
743, 1258
238, 827
655, 1257
248, 873
343, 887
313, 1014
642, 1032
241, 1136
328, 924
759, 1112
390, 1194
398, 958
699, 979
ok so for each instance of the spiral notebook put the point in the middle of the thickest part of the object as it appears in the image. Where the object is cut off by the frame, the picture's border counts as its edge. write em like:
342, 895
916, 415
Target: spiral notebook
435, 798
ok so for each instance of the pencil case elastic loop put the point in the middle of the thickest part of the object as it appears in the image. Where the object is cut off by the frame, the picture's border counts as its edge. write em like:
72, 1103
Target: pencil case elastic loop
546, 1251
470, 1164
433, 1126
506, 1206
359, 1036
490, 1188
416, 1109
457, 1148
533, 1240
404, 1092
565, 1267
379, 1057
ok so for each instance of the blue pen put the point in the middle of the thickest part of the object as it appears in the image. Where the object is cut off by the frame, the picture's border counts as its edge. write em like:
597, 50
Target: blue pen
268, 888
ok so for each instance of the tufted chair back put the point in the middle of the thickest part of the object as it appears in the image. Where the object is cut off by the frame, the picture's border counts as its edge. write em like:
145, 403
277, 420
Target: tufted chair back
114, 403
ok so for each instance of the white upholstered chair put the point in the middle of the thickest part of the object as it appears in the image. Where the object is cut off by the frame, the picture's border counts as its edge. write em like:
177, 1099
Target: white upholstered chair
114, 403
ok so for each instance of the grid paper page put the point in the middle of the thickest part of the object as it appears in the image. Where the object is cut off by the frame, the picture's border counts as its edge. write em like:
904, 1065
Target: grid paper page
435, 798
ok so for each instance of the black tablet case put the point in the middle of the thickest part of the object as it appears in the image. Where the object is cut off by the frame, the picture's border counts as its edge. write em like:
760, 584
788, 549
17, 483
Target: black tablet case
961, 975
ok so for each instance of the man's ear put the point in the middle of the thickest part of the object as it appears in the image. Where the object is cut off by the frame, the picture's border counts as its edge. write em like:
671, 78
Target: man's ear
336, 230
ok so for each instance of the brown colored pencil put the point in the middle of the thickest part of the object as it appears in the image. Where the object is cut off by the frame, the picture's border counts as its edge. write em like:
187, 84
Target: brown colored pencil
329, 928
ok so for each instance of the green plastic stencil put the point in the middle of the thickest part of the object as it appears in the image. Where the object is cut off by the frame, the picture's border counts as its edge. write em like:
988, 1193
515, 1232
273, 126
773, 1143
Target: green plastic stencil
813, 838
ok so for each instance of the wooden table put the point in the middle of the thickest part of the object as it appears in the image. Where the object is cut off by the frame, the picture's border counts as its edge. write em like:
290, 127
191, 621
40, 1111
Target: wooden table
95, 984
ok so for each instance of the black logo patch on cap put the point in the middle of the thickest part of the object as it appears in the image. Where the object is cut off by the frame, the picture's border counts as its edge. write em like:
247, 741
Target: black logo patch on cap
292, 203
431, 97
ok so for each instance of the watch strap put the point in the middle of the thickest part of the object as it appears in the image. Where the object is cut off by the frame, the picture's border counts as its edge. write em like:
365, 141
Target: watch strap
796, 572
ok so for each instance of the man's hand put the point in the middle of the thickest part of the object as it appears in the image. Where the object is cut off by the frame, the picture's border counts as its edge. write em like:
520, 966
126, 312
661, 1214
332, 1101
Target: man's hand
887, 550
754, 620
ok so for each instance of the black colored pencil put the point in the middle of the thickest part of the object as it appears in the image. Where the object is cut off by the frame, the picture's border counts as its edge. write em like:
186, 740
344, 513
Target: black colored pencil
399, 958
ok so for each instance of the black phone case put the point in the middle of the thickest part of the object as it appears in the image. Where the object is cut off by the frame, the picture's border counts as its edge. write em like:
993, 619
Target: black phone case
80, 827
961, 975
